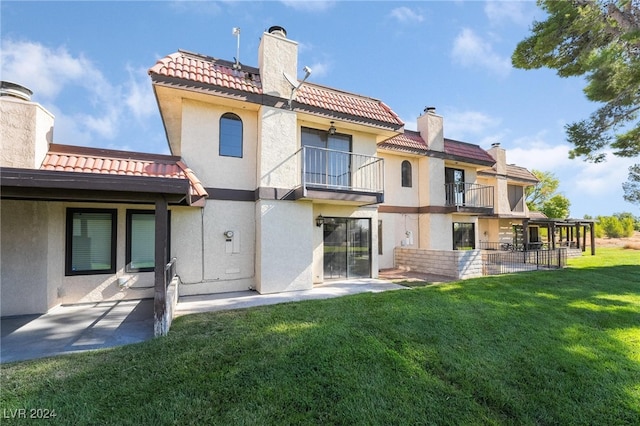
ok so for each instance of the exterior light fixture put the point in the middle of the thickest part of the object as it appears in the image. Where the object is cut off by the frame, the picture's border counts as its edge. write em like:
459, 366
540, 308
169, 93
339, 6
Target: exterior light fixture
319, 221
332, 129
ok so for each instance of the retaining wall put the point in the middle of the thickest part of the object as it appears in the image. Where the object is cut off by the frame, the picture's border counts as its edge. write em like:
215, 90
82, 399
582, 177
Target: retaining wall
458, 264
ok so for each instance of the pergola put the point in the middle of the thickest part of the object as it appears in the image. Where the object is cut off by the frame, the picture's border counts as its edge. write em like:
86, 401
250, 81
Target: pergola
572, 233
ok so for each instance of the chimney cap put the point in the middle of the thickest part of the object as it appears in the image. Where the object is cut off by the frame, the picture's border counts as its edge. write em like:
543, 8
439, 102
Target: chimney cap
277, 30
495, 144
430, 109
15, 90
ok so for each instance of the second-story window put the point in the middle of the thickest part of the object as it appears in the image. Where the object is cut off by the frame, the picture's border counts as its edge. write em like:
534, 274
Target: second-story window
230, 135
406, 174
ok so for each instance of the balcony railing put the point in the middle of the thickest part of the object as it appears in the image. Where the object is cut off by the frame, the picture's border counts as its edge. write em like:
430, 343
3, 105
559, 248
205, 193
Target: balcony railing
340, 171
468, 195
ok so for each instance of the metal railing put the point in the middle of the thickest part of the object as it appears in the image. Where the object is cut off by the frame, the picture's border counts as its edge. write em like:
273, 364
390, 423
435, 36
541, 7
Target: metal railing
491, 245
507, 262
464, 194
339, 170
169, 272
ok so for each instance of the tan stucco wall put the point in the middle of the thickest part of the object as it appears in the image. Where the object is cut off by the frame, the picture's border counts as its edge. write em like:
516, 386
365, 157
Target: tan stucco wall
23, 273
26, 130
436, 232
395, 194
277, 165
200, 146
284, 246
33, 260
207, 262
395, 227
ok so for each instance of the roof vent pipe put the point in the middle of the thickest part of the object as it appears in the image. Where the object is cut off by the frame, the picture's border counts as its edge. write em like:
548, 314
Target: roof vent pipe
277, 30
15, 90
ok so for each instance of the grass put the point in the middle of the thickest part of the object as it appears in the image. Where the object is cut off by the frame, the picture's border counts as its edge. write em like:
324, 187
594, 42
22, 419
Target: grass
559, 347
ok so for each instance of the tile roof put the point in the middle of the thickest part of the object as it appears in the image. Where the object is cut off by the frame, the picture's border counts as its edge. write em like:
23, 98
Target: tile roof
467, 150
70, 158
411, 141
515, 172
347, 103
207, 70
220, 73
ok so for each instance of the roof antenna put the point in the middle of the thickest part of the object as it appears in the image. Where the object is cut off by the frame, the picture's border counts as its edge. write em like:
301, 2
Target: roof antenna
295, 85
236, 32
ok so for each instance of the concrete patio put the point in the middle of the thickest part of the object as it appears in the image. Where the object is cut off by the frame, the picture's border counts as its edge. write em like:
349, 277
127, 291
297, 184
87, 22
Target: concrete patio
76, 328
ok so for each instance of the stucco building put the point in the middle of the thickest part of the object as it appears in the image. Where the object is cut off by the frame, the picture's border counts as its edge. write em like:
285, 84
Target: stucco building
274, 183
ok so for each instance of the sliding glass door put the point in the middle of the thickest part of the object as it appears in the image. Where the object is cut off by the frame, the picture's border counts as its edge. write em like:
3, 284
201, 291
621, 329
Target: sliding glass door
347, 248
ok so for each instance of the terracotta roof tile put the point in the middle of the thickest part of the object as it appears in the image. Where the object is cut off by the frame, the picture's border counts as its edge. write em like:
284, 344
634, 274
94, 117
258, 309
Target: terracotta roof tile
515, 172
467, 150
208, 70
103, 161
216, 72
410, 141
347, 103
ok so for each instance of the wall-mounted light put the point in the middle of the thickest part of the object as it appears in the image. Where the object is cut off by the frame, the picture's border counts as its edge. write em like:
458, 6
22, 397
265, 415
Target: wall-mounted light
319, 221
332, 129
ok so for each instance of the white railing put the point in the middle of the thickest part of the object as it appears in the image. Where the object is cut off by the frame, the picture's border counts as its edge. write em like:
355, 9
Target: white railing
469, 195
339, 170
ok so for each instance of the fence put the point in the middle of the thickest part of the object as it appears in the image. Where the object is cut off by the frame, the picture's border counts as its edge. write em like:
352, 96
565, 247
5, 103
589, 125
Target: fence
507, 262
169, 272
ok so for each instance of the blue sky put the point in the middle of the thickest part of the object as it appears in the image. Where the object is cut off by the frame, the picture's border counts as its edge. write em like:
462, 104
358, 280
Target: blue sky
87, 63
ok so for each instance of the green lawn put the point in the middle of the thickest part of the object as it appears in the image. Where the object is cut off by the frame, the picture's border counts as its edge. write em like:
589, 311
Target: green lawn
559, 347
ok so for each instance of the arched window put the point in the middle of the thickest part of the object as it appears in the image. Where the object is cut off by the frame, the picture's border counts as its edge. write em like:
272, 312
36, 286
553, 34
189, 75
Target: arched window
230, 135
406, 174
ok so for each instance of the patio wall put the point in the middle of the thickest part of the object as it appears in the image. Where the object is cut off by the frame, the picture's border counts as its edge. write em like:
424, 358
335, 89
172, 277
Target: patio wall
458, 264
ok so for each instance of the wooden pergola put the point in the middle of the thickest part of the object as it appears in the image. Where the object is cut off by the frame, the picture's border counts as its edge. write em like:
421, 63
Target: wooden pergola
572, 233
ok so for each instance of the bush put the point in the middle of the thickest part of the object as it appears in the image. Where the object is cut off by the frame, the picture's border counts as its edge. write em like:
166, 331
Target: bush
627, 227
613, 227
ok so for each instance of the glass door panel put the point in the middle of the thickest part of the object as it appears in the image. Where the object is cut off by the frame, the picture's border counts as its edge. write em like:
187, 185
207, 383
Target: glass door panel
347, 248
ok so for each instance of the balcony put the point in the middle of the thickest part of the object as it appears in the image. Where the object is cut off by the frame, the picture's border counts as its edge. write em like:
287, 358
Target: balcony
327, 174
469, 198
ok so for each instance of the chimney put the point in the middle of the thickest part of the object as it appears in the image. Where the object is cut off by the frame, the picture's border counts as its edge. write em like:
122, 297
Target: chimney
277, 56
26, 128
500, 155
431, 128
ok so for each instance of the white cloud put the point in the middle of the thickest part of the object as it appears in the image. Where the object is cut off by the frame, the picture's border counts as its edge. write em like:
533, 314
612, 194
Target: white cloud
462, 124
52, 72
45, 71
139, 95
601, 178
406, 15
507, 11
309, 5
320, 69
471, 50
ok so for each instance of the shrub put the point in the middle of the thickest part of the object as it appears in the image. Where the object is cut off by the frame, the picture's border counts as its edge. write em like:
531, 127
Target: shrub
611, 226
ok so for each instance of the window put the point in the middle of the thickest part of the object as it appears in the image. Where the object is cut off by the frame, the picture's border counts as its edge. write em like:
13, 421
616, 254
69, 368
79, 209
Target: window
141, 237
327, 159
464, 236
406, 174
516, 198
230, 135
91, 241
